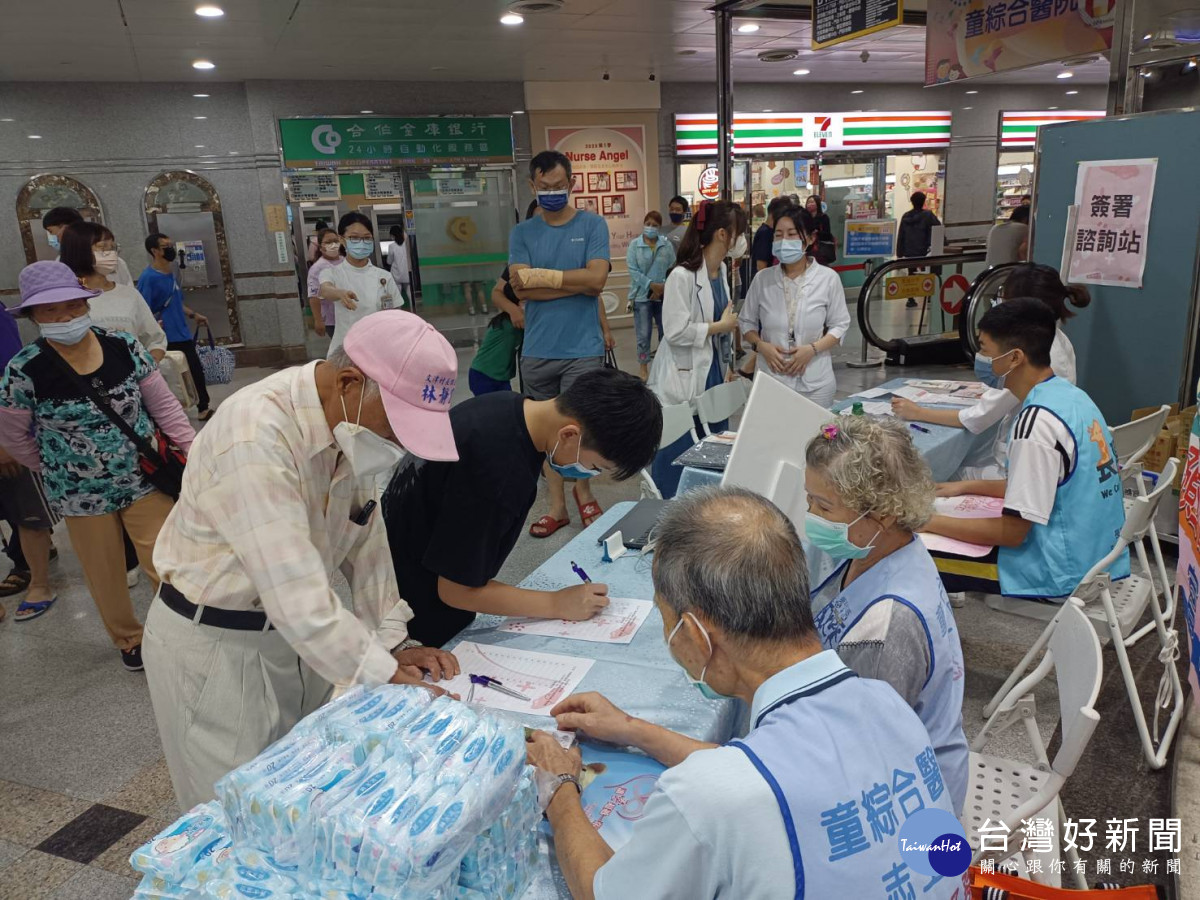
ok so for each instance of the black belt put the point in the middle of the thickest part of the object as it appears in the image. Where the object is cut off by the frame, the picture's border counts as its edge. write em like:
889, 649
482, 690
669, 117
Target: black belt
232, 619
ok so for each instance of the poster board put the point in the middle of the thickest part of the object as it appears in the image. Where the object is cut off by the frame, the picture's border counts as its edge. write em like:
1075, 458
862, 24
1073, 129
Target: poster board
869, 237
835, 21
1107, 241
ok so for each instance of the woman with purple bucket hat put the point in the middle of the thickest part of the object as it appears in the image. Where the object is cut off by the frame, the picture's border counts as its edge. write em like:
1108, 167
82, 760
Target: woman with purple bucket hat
52, 420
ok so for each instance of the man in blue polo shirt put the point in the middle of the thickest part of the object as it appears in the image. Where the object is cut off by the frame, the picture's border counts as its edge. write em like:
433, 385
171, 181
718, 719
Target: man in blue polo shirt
811, 803
158, 285
558, 263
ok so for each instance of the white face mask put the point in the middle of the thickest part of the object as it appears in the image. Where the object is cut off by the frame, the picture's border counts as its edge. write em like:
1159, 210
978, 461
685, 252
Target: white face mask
368, 453
106, 261
738, 250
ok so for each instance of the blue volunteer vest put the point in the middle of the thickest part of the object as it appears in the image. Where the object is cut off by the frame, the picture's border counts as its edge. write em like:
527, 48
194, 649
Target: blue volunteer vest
1088, 511
848, 763
909, 576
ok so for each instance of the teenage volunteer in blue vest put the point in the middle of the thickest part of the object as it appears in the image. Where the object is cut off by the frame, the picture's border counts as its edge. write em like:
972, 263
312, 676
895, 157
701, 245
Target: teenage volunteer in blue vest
884, 608
1062, 499
810, 803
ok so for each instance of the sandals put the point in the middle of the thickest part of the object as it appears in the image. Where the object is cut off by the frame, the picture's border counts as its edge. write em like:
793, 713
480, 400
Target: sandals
27, 611
588, 512
14, 583
548, 525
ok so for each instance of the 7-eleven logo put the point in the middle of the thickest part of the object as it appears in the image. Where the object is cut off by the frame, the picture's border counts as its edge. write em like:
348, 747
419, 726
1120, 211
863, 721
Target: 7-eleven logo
824, 131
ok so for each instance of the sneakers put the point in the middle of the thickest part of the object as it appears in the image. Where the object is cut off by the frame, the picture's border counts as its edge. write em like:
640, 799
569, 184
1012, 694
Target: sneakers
132, 659
132, 577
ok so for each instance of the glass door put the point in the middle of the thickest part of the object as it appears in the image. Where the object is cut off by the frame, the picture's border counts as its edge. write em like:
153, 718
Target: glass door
461, 219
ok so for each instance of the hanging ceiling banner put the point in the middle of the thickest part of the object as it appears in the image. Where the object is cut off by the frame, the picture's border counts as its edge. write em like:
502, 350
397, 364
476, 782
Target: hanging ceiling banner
966, 38
780, 134
1019, 129
835, 21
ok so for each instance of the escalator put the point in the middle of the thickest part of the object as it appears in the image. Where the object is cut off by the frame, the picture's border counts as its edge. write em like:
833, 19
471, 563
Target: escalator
983, 295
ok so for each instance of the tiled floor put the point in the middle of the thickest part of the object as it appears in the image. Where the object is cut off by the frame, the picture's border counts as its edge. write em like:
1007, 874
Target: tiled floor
83, 783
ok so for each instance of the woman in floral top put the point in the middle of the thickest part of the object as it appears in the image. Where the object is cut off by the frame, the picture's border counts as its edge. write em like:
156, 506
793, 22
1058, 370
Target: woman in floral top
89, 468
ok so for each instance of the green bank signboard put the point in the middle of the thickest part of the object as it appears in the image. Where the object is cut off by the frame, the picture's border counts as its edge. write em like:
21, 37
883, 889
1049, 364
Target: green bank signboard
356, 142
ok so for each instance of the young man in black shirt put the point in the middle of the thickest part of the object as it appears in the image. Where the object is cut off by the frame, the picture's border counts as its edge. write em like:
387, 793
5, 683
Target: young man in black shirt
451, 525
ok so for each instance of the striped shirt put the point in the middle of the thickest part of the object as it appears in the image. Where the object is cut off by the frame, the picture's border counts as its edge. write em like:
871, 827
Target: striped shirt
265, 517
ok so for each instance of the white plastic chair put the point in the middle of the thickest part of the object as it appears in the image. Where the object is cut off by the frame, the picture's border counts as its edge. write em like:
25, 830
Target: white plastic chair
720, 402
1007, 791
1118, 606
677, 421
1131, 442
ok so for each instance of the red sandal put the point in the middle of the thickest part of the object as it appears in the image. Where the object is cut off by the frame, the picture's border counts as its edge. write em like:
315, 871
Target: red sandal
588, 512
549, 525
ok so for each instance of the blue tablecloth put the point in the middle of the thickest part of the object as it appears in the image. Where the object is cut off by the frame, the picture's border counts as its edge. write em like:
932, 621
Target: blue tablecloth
944, 449
640, 677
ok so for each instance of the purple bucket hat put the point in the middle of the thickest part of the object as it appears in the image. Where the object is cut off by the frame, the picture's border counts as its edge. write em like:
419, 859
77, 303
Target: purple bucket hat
48, 282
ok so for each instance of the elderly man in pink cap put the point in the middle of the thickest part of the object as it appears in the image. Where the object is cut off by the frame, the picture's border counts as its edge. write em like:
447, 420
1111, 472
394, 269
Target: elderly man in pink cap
246, 634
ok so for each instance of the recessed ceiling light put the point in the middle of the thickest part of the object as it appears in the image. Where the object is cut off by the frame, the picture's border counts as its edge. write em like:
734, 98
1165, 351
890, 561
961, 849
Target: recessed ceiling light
801, 72
35, 137
748, 28
203, 65
968, 107
856, 92
199, 146
1051, 107
366, 112
7, 120
199, 95
972, 92
233, 153
208, 11
1065, 75
511, 19
1072, 93
1147, 36
768, 110
200, 118
518, 112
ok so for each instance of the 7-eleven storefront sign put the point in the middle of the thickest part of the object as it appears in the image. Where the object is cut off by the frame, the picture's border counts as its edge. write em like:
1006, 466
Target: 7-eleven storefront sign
768, 134
1018, 130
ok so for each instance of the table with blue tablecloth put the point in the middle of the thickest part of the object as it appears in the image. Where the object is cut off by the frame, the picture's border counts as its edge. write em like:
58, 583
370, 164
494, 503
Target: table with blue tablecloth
943, 449
640, 677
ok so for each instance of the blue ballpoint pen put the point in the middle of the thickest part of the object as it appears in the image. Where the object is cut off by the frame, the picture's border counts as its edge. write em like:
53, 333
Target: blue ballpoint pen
495, 685
582, 574
920, 428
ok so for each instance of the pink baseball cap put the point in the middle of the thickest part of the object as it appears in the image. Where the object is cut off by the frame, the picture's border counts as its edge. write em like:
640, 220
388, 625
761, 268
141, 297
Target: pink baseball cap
415, 368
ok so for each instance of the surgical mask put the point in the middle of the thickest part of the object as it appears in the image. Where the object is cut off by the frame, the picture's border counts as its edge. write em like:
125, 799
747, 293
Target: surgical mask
368, 453
105, 261
650, 233
576, 470
789, 250
360, 248
985, 373
834, 537
71, 332
332, 250
169, 254
707, 692
738, 250
552, 201
676, 218
53, 240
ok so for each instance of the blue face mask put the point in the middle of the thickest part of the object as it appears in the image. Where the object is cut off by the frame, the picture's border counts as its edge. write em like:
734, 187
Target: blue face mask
360, 248
834, 537
789, 250
53, 239
71, 332
985, 373
705, 691
576, 470
650, 233
552, 201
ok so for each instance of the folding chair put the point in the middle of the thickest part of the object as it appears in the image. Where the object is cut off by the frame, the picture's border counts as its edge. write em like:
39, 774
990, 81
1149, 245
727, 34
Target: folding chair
720, 402
1004, 792
1131, 442
1118, 606
677, 421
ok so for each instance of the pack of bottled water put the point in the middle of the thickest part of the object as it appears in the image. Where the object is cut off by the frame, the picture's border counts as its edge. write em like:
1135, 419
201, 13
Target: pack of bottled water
387, 792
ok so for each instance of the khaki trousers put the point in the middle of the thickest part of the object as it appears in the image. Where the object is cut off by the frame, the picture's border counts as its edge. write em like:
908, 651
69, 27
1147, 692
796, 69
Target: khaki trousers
101, 550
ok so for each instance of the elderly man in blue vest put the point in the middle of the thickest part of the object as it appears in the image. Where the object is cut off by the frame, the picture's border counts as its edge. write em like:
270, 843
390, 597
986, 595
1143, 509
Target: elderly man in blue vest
811, 802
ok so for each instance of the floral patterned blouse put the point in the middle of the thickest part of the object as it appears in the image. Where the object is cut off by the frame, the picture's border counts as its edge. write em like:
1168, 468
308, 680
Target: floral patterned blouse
89, 468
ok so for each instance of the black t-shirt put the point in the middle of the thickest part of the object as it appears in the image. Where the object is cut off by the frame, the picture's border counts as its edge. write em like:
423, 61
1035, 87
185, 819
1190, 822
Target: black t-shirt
764, 238
460, 520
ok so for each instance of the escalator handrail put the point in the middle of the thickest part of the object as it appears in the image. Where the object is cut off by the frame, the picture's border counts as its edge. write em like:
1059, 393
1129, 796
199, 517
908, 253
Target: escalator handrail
975, 294
903, 262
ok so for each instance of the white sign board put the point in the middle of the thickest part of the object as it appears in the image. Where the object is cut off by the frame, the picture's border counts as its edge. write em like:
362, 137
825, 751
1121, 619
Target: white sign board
383, 185
314, 186
1108, 243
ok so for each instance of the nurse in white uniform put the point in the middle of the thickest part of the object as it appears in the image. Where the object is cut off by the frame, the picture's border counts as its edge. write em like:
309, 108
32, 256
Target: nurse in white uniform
358, 287
795, 312
884, 608
998, 404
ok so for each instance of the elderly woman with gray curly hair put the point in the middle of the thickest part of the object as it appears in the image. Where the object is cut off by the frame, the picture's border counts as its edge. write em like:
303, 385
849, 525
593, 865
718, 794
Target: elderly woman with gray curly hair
884, 608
